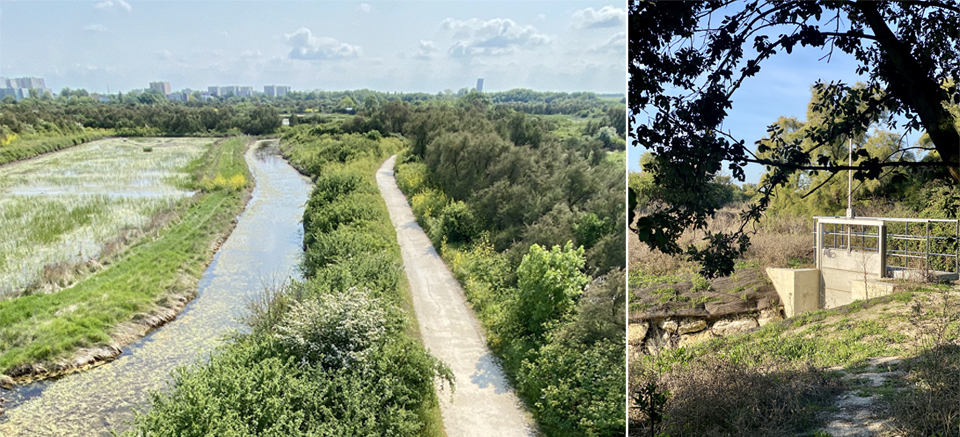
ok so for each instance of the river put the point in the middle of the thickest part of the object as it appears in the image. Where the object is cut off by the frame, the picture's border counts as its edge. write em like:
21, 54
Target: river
264, 249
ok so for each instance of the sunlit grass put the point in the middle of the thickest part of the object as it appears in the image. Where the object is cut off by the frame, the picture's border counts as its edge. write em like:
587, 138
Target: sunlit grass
63, 207
48, 326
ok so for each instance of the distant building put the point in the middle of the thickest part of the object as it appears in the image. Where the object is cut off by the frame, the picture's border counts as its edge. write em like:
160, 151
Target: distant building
179, 96
245, 91
275, 90
227, 90
213, 91
163, 87
30, 82
480, 85
20, 88
17, 93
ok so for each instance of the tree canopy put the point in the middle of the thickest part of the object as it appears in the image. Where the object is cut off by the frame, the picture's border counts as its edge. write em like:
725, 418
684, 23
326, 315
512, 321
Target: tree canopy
688, 59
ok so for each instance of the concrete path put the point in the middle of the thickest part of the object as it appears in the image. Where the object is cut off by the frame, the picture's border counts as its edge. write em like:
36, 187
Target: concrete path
484, 403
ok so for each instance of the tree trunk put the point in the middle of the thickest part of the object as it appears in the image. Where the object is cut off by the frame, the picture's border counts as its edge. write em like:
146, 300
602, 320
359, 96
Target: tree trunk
915, 86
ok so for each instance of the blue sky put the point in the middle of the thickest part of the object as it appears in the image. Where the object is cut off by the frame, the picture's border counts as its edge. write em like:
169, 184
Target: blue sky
328, 45
781, 88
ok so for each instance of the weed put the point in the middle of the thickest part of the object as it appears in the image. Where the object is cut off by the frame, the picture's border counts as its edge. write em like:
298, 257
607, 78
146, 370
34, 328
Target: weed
699, 283
713, 396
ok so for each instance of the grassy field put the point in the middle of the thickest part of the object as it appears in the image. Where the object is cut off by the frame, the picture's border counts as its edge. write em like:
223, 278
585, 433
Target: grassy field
64, 209
45, 327
27, 147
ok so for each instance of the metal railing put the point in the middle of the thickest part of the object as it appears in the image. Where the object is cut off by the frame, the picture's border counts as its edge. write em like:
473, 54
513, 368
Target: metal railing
922, 244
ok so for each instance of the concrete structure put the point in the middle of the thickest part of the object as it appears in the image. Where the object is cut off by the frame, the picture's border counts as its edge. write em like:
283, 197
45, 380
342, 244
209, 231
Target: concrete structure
841, 261
163, 87
480, 85
867, 290
857, 257
179, 96
276, 90
798, 289
245, 91
16, 93
28, 82
20, 88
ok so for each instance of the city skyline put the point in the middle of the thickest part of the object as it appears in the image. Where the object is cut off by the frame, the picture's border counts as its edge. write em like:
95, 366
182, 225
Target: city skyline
384, 46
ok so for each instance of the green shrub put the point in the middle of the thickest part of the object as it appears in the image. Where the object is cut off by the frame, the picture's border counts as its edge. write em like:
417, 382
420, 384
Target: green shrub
334, 184
351, 210
572, 384
336, 329
339, 245
457, 222
548, 283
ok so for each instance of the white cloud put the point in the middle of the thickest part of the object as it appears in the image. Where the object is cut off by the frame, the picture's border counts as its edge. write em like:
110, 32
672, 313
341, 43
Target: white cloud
608, 16
308, 47
365, 8
493, 37
110, 4
425, 49
616, 44
94, 28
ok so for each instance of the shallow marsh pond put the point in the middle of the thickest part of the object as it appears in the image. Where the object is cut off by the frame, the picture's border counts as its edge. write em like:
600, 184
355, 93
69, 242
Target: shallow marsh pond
64, 206
265, 248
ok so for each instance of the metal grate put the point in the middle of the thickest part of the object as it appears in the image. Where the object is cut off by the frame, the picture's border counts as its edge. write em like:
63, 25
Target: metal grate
923, 244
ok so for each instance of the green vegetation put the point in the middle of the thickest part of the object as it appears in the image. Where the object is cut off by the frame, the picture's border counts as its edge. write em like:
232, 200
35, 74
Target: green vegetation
47, 327
524, 219
82, 205
700, 377
14, 147
333, 355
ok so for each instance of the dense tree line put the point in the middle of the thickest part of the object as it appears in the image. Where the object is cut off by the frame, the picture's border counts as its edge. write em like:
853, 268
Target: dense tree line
151, 113
31, 117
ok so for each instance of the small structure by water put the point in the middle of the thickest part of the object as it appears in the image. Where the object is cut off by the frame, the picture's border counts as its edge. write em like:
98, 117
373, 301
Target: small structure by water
857, 258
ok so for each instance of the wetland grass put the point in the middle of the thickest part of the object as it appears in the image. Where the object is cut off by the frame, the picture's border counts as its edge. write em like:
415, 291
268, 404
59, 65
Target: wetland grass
64, 208
45, 327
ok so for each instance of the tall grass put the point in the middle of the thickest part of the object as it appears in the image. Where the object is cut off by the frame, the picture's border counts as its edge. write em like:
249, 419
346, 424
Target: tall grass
28, 147
46, 327
65, 208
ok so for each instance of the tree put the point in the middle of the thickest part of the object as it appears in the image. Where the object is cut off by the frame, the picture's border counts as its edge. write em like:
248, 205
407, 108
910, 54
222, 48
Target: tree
548, 283
689, 58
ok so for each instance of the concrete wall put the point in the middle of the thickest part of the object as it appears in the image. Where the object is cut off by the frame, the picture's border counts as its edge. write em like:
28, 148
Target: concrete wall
875, 288
840, 268
799, 289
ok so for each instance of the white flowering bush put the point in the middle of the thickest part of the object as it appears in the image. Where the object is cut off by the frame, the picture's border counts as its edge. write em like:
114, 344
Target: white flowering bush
335, 329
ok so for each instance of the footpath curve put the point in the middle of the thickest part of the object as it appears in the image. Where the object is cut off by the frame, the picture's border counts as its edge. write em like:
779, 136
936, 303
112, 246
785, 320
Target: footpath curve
483, 403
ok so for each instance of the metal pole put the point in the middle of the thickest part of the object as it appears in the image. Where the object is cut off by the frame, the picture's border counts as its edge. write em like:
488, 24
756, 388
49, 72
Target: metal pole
927, 266
850, 179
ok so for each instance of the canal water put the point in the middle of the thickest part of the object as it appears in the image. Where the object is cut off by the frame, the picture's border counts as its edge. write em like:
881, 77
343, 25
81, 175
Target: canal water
263, 250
